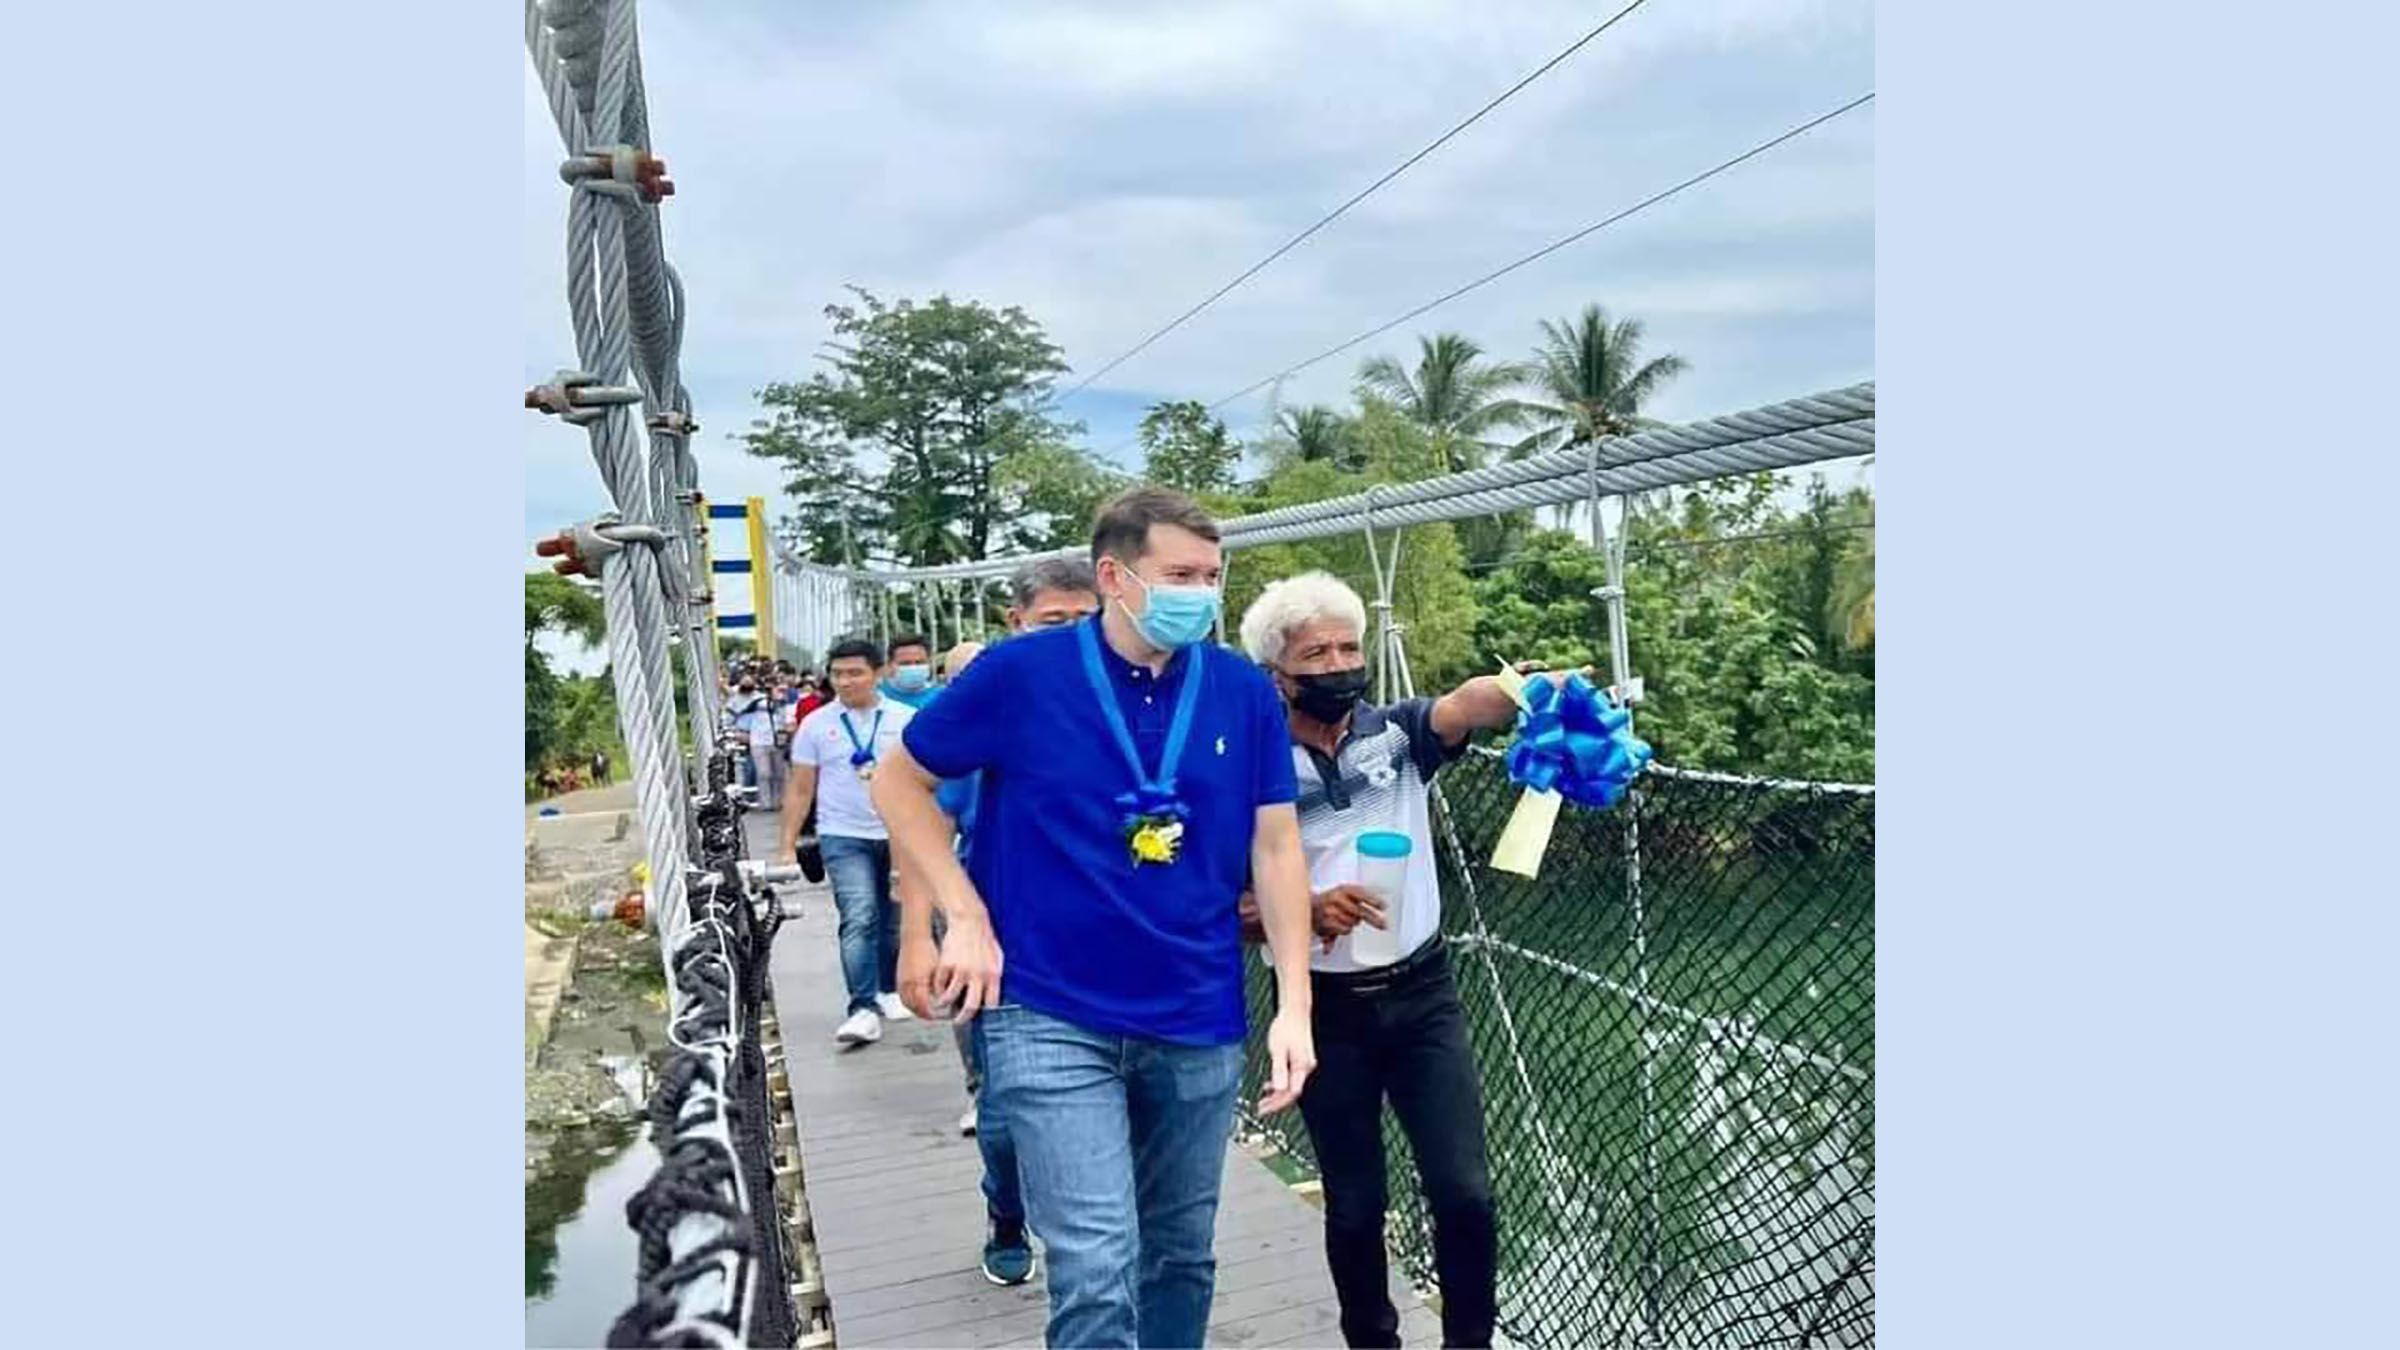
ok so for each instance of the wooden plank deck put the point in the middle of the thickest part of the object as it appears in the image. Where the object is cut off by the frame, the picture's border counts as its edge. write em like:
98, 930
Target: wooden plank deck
893, 1189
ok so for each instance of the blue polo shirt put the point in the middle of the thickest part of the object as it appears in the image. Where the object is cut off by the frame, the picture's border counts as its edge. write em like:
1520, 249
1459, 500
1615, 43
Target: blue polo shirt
1085, 936
917, 698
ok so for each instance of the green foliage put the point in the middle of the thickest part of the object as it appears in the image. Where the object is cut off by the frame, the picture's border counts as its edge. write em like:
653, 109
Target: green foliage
1431, 594
1592, 379
553, 604
1056, 490
1456, 396
1729, 631
587, 720
541, 708
924, 443
1186, 448
1312, 435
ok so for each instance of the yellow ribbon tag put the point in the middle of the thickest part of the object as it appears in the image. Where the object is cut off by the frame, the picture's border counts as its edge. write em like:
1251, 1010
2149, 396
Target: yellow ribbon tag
1513, 684
1527, 835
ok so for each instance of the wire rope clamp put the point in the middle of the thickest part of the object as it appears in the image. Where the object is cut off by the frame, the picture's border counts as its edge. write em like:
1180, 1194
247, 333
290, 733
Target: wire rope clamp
626, 172
673, 422
582, 549
578, 397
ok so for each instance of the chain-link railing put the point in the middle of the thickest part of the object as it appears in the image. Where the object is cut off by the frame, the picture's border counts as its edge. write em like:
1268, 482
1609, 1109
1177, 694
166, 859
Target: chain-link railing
1676, 1056
712, 1115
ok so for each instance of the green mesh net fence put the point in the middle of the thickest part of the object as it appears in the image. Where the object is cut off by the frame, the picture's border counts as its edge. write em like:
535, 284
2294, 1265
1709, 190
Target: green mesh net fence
1675, 1031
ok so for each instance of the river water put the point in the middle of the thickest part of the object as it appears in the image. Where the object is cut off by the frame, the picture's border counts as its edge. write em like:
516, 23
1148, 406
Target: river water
579, 1251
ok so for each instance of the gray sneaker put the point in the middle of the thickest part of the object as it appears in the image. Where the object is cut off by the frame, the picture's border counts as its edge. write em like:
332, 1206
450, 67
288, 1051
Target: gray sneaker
1008, 1256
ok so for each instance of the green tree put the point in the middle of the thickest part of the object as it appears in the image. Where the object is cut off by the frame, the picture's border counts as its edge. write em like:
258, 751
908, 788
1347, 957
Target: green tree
1726, 623
1853, 604
1313, 435
906, 436
1186, 448
556, 604
1460, 400
1054, 491
1591, 380
587, 720
836, 516
553, 604
1456, 396
1432, 597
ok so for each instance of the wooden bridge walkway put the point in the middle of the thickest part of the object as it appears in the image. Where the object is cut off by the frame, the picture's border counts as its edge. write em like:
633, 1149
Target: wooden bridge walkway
893, 1188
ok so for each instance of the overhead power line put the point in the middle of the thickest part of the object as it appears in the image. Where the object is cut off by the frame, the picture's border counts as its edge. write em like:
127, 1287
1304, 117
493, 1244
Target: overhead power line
1368, 191
1543, 252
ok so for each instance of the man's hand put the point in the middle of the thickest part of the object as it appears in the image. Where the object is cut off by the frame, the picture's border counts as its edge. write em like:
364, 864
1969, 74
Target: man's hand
1291, 1058
966, 976
1337, 910
918, 956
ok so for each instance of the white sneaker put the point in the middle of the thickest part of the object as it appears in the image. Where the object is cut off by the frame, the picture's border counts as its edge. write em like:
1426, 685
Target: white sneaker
893, 1009
862, 1028
966, 1123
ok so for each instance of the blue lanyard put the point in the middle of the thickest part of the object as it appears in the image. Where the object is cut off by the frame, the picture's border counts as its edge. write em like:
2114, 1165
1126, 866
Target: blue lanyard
1158, 792
860, 755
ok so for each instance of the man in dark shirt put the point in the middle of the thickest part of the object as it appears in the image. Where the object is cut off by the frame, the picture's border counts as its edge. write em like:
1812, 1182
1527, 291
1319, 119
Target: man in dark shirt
1388, 1022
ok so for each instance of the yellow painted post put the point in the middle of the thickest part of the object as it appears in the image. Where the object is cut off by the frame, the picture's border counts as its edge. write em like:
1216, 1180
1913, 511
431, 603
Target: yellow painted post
708, 567
762, 591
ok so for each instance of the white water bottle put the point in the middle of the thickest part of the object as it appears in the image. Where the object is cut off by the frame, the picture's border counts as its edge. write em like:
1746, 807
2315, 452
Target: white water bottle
1383, 871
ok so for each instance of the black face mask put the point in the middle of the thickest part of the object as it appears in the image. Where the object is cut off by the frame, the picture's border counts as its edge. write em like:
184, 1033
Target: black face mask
1329, 697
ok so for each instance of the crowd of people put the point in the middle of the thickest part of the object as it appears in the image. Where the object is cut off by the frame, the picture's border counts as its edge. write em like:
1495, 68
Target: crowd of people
1064, 843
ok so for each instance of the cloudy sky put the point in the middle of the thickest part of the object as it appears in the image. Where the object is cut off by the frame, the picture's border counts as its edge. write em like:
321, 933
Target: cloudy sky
1106, 165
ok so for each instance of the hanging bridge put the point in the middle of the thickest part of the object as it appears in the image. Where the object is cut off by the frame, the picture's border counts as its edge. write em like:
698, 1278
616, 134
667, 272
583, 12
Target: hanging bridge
1673, 1023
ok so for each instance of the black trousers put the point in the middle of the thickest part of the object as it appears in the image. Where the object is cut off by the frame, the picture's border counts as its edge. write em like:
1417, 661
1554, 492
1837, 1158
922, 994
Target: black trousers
1401, 1036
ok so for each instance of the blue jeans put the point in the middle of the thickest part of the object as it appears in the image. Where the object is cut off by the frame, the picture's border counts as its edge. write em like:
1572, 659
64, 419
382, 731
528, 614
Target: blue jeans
1002, 1196
1120, 1146
861, 873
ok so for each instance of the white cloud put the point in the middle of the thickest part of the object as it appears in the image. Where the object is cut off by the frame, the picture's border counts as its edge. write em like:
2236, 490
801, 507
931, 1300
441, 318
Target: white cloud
1105, 166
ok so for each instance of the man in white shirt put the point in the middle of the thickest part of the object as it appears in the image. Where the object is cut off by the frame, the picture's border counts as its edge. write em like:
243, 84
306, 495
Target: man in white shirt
1392, 1029
835, 752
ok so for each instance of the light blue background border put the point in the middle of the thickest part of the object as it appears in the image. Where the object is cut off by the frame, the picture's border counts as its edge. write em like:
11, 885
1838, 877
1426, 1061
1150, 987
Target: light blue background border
2133, 282
2135, 286
261, 316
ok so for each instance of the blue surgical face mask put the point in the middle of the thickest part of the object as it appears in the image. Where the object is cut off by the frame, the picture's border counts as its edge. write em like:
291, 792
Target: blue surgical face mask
1175, 616
909, 679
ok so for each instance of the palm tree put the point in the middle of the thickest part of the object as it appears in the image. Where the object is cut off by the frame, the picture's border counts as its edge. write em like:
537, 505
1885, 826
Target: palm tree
1317, 432
1452, 394
1591, 371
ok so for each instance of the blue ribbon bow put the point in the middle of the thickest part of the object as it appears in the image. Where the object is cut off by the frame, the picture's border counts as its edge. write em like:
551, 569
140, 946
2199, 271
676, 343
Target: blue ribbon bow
1572, 741
1151, 803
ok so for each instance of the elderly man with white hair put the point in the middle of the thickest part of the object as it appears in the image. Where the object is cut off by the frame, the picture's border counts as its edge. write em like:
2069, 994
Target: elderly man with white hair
1388, 1026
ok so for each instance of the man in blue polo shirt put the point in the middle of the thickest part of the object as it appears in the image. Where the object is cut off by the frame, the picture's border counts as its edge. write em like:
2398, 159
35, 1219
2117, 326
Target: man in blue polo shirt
1134, 775
908, 673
